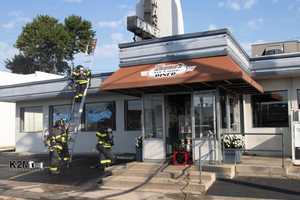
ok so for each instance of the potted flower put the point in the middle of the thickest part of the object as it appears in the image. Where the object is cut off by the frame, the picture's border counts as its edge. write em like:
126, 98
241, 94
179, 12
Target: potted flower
233, 146
139, 148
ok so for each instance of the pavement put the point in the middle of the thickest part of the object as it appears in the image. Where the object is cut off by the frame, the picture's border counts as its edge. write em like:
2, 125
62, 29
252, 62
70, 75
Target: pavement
80, 182
256, 188
77, 182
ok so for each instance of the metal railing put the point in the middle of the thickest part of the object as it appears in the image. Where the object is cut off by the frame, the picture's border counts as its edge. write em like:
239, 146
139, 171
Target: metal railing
210, 136
281, 150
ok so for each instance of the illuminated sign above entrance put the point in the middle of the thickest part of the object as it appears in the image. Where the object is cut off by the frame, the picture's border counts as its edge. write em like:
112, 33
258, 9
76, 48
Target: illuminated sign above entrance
168, 70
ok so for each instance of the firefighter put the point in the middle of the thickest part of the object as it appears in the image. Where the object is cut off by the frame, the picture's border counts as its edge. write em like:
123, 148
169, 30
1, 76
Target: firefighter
57, 142
104, 147
80, 76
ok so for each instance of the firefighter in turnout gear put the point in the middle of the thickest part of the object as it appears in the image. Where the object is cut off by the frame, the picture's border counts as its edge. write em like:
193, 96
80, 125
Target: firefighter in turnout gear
104, 147
57, 142
80, 76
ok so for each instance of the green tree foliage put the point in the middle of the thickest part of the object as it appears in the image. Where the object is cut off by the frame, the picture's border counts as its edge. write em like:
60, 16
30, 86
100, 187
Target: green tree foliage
81, 34
21, 65
47, 45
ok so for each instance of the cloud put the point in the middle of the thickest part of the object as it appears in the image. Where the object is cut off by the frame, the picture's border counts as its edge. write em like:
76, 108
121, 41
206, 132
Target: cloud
8, 25
249, 4
255, 24
15, 13
104, 51
6, 52
113, 24
15, 22
110, 24
117, 37
107, 51
18, 20
295, 6
124, 6
111, 49
212, 27
73, 1
237, 5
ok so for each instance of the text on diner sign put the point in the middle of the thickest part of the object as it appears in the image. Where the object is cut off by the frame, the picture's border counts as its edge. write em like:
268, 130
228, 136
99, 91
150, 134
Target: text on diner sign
168, 70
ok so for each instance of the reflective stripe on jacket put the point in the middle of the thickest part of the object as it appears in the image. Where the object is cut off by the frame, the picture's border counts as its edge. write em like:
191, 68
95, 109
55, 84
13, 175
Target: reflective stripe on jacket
103, 139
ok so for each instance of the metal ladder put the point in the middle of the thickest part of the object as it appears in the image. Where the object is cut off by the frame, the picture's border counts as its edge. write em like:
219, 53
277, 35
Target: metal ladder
75, 120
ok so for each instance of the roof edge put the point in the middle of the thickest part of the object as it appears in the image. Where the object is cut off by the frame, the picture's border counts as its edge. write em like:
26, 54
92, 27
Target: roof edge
222, 31
52, 81
222, 52
276, 56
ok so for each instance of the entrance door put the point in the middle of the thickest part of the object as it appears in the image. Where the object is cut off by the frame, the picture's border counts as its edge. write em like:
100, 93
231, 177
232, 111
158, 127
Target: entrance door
178, 122
153, 127
205, 142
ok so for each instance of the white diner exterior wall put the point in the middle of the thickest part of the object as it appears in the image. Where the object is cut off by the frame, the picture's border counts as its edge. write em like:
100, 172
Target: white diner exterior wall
7, 118
271, 142
86, 141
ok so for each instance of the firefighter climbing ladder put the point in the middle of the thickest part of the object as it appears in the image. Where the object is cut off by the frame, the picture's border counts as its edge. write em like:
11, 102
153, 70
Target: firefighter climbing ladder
75, 120
77, 107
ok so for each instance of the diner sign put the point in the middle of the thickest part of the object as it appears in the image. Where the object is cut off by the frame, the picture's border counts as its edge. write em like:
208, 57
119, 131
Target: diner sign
168, 70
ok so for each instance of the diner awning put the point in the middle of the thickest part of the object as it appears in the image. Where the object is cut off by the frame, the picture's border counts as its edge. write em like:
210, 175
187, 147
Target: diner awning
193, 74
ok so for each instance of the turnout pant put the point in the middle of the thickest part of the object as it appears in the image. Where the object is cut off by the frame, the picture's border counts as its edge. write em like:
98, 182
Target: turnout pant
54, 160
58, 157
80, 90
65, 155
105, 156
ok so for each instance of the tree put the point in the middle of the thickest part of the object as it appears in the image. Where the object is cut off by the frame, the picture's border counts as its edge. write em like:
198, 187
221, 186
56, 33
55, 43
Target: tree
47, 45
21, 65
81, 34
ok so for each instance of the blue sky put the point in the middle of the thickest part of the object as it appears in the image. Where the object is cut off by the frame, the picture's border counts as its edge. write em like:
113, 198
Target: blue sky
251, 21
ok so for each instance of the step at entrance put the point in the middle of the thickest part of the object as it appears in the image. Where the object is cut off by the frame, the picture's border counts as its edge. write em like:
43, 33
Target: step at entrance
153, 177
257, 171
293, 172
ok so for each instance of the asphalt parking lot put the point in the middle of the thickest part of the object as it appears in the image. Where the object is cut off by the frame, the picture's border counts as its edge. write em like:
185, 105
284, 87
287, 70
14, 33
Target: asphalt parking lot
80, 172
80, 182
80, 177
257, 188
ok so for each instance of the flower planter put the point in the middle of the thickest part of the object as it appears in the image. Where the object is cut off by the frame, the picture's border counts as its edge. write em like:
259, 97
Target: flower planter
232, 156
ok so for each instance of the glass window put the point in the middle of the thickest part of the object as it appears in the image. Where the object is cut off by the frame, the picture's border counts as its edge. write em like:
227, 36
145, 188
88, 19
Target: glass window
100, 115
270, 109
59, 112
204, 106
32, 119
133, 113
153, 107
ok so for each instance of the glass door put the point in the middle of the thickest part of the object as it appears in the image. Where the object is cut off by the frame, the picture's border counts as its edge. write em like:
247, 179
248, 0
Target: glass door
230, 113
178, 123
205, 134
153, 127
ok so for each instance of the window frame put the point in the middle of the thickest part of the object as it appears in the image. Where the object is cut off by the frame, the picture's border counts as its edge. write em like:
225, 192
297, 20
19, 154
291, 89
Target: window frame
22, 120
84, 122
266, 92
126, 128
50, 116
